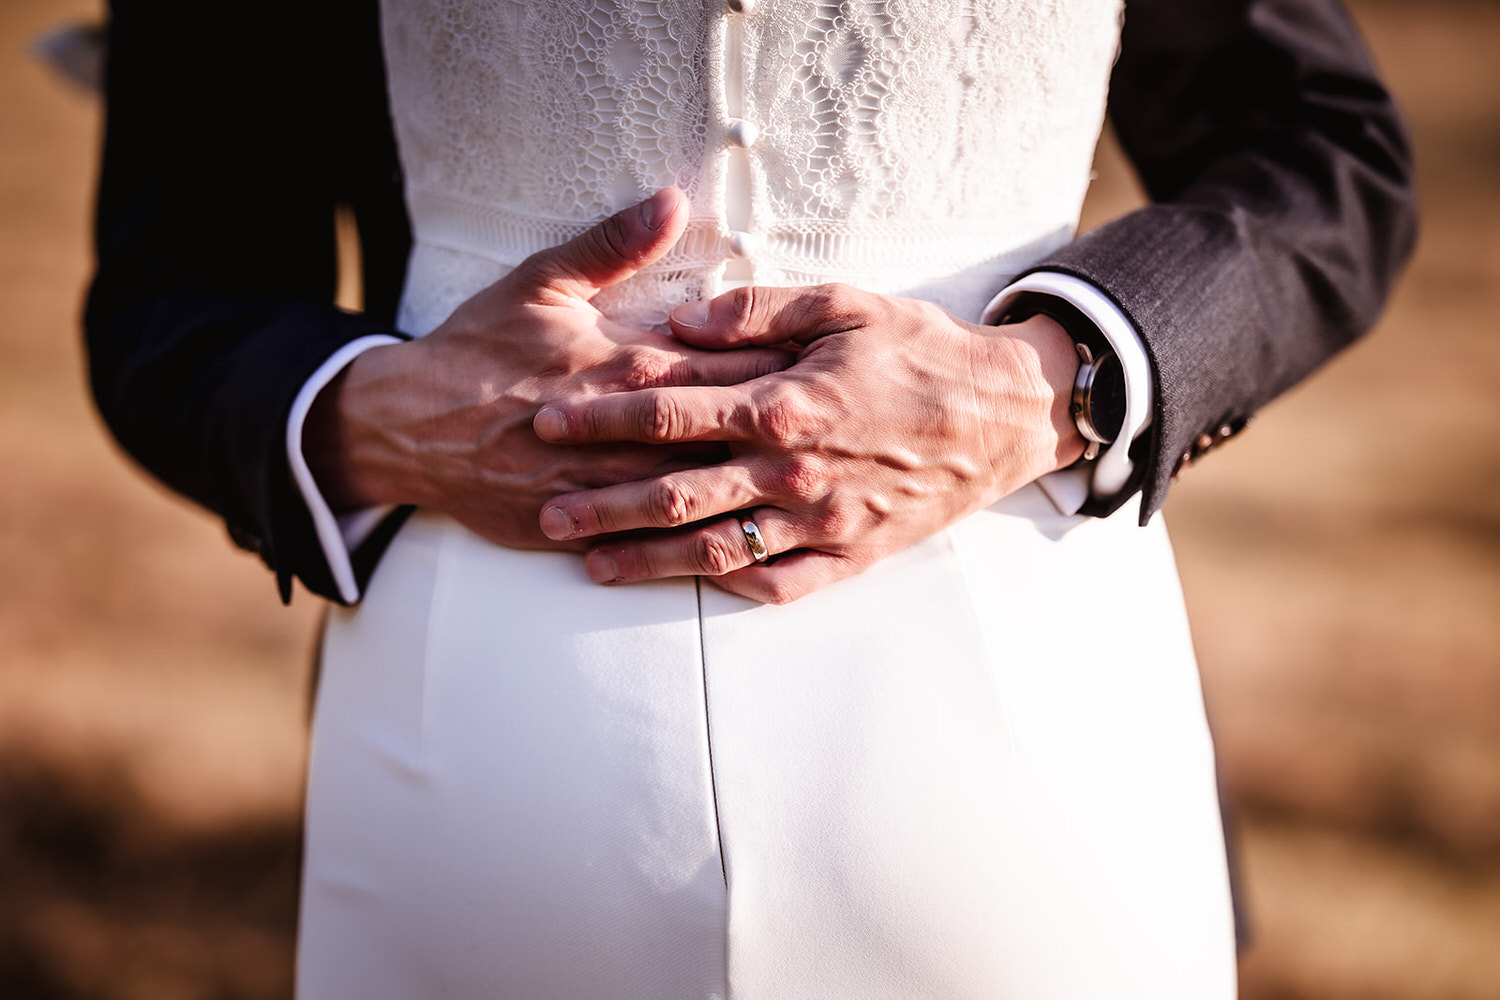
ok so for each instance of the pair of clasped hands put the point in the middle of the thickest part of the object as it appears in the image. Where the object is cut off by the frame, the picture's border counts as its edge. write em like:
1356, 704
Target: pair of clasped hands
847, 425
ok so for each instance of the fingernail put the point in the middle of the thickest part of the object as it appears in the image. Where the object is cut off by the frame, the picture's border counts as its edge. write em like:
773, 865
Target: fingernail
601, 567
550, 424
557, 524
655, 209
691, 314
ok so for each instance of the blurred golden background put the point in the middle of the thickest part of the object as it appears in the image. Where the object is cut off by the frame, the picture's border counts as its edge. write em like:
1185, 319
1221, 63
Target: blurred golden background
1341, 561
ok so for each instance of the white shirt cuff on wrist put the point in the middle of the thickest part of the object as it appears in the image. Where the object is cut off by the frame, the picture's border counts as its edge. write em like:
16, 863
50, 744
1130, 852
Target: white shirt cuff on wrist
338, 535
1070, 488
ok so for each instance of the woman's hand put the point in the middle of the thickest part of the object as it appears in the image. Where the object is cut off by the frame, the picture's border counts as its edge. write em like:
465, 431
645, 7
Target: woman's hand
445, 421
896, 420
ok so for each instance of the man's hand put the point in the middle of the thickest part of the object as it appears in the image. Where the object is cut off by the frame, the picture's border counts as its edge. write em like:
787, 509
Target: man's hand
445, 421
896, 420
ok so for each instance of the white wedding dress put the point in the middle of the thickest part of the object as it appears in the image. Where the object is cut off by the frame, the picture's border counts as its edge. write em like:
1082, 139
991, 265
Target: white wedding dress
978, 770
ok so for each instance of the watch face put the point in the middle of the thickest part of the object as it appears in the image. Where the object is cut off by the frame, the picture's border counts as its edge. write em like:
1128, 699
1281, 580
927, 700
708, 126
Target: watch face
1106, 397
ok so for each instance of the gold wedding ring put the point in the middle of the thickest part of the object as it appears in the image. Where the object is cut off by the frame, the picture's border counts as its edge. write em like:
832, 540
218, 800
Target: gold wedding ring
754, 539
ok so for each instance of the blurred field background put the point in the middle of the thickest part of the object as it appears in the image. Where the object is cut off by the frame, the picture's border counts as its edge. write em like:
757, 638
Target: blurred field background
1341, 560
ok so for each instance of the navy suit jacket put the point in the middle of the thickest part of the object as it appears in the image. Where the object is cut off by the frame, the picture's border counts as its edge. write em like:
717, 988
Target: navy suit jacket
1277, 164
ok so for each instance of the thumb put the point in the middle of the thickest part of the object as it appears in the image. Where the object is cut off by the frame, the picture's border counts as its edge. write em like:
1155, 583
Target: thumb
611, 251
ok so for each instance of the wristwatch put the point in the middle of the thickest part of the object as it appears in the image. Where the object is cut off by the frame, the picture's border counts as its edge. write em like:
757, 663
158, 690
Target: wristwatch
1098, 400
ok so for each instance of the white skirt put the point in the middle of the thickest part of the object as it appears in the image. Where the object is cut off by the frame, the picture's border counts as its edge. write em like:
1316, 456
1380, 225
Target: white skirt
978, 770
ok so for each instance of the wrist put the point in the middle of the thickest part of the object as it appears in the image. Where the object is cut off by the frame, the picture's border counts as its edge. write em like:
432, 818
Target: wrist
1023, 378
342, 450
1118, 404
1099, 396
1056, 366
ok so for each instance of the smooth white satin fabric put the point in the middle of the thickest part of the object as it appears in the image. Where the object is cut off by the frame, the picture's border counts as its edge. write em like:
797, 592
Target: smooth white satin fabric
978, 770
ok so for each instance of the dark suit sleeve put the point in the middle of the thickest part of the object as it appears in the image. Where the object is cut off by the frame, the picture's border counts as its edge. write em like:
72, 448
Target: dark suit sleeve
232, 131
1283, 206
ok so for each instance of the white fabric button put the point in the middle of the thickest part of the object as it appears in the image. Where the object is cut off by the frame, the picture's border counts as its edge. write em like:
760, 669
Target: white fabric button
742, 133
742, 244
739, 6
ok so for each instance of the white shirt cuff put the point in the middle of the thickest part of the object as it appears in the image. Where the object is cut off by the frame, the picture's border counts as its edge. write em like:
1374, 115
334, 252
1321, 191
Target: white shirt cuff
1070, 488
338, 535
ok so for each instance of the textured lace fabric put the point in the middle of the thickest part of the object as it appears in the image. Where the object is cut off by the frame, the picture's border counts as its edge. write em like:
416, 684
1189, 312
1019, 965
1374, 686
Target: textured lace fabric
926, 148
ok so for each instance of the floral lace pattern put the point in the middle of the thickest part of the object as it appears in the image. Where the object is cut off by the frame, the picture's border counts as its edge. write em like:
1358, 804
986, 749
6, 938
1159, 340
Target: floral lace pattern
889, 144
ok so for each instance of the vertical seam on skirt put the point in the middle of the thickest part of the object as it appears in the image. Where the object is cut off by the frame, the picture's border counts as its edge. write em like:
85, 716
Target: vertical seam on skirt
708, 732
713, 779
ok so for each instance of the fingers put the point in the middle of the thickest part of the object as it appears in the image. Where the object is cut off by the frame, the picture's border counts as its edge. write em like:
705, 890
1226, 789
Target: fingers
667, 501
657, 361
611, 251
762, 315
713, 542
721, 552
779, 412
651, 416
710, 368
712, 549
793, 576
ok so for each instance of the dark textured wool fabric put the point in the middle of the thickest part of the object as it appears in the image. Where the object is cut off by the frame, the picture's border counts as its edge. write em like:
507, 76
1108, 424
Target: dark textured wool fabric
1284, 206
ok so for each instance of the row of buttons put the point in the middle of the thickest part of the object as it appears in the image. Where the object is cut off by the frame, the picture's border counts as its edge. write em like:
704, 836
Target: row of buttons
740, 134
1205, 443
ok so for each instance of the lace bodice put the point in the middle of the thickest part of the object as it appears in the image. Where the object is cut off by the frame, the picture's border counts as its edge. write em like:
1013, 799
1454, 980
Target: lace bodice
926, 148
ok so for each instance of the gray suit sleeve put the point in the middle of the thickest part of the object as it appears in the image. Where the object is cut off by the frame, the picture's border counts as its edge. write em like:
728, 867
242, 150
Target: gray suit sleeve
1282, 208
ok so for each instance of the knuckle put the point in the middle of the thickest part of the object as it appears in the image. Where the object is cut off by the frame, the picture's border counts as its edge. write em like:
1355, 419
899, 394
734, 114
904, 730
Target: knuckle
836, 295
669, 504
711, 555
611, 242
801, 477
739, 305
835, 523
662, 419
645, 370
836, 305
784, 418
603, 247
592, 423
